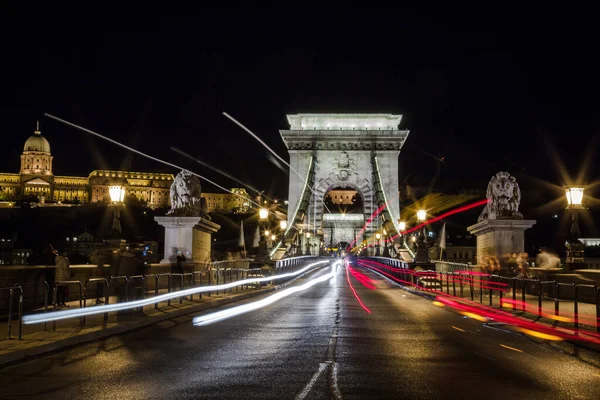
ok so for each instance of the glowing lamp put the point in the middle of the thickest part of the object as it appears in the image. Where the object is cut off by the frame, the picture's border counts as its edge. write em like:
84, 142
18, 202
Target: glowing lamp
117, 193
402, 226
574, 197
421, 215
378, 235
273, 237
308, 235
283, 224
263, 213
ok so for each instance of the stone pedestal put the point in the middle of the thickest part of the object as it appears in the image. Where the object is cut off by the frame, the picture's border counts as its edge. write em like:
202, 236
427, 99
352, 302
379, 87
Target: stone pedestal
498, 237
190, 235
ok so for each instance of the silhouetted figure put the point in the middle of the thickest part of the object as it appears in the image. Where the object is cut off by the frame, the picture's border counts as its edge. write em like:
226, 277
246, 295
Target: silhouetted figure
63, 273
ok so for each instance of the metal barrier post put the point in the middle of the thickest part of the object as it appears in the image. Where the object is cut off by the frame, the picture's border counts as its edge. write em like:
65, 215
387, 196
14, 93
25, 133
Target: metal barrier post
46, 294
104, 281
10, 307
490, 288
20, 312
523, 293
575, 306
169, 289
556, 297
156, 278
514, 293
539, 297
598, 309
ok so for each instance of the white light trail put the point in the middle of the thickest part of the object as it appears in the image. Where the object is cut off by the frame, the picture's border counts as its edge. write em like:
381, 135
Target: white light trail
135, 150
276, 155
235, 311
83, 312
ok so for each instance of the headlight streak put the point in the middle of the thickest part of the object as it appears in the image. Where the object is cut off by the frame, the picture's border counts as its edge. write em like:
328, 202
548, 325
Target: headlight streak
239, 310
83, 312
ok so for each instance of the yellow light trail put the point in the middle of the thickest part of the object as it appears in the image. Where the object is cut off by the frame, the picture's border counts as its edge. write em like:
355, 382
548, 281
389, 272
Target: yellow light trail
511, 348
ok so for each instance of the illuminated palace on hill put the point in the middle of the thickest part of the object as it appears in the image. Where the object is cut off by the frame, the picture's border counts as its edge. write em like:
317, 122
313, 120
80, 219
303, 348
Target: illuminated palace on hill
37, 178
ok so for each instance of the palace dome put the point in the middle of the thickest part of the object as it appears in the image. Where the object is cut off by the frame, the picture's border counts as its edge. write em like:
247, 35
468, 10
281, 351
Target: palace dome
37, 142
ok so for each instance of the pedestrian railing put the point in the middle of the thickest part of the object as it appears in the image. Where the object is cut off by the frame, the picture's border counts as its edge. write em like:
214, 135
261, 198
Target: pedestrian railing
11, 292
218, 273
515, 293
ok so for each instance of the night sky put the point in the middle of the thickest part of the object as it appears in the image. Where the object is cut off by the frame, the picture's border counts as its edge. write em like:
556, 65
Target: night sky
486, 93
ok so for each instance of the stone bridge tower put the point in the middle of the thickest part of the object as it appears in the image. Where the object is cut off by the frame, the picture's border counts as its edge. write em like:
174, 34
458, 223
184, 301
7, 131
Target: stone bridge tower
332, 151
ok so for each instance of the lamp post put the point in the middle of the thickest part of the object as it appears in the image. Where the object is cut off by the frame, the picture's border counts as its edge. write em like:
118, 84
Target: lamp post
377, 245
117, 194
574, 253
421, 256
307, 243
386, 249
263, 252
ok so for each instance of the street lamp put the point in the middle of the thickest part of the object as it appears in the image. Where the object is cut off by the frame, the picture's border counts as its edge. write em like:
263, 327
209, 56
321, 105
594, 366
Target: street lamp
378, 237
117, 194
263, 214
574, 197
263, 252
386, 250
422, 255
402, 226
307, 243
575, 249
283, 224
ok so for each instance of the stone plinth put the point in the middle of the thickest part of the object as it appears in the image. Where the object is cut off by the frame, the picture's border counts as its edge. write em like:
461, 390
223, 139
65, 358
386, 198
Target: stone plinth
498, 237
190, 235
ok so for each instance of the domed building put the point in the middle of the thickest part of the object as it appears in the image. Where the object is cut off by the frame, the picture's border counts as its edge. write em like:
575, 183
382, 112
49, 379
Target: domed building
37, 178
36, 166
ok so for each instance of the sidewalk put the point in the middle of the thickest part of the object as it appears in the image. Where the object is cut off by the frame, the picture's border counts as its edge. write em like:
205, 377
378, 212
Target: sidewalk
36, 341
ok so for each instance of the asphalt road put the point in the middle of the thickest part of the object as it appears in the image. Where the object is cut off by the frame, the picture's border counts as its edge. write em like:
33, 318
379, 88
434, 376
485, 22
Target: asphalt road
316, 344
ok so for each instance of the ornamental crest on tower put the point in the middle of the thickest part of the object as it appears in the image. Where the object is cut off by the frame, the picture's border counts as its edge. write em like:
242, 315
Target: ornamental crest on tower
344, 166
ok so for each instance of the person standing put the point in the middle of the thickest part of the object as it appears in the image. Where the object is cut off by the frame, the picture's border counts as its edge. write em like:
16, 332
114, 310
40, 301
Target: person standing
49, 255
63, 273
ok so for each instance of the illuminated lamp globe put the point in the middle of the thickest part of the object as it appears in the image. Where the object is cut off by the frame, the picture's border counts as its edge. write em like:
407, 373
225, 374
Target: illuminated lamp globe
308, 235
283, 224
117, 193
402, 226
574, 197
421, 215
263, 213
378, 235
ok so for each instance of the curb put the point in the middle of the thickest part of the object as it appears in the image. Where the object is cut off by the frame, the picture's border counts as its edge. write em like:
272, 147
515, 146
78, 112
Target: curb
19, 356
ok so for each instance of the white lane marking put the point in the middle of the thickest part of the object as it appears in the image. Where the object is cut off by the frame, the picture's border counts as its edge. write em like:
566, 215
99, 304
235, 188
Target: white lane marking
311, 382
337, 393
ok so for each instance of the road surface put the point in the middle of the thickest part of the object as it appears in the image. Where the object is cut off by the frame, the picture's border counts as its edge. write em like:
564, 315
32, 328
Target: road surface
316, 344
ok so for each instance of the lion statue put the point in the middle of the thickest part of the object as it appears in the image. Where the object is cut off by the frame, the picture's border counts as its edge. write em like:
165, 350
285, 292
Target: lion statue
504, 197
186, 199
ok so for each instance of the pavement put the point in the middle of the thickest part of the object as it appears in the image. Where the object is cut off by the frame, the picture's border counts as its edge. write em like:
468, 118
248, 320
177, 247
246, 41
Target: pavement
586, 312
39, 339
332, 340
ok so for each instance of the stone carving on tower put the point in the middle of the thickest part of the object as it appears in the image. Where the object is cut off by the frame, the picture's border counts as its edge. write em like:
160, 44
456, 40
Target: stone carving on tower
504, 197
344, 166
186, 199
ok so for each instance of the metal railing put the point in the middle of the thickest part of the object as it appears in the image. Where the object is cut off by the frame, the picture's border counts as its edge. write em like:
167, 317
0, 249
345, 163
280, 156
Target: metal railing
122, 286
501, 291
11, 291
